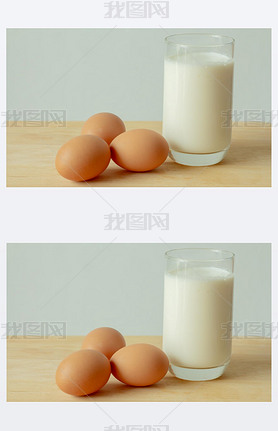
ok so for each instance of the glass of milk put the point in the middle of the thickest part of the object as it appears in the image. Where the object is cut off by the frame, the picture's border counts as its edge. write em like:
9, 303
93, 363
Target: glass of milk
198, 305
198, 90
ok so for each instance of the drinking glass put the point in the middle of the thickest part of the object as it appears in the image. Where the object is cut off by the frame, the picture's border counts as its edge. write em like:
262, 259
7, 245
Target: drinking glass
197, 104
198, 306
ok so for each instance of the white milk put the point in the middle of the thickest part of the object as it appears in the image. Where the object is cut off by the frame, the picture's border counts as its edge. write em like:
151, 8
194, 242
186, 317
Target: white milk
196, 304
197, 93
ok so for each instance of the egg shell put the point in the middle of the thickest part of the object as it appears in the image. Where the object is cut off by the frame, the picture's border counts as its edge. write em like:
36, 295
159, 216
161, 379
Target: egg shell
139, 364
83, 372
105, 125
105, 340
139, 150
83, 158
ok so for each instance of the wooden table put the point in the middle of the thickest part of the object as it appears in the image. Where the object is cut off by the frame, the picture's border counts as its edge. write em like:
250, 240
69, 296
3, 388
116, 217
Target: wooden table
31, 155
32, 364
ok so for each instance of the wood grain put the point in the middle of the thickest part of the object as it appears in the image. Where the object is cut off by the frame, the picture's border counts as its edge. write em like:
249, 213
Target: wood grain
32, 363
31, 155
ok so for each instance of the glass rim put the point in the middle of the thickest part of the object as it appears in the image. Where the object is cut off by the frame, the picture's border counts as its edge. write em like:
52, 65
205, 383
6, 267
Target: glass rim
229, 254
229, 40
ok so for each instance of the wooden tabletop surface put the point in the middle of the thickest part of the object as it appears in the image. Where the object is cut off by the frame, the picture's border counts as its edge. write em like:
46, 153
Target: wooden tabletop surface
31, 153
32, 363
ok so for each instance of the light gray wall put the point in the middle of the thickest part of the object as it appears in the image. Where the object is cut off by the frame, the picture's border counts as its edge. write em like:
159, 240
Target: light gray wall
118, 285
84, 71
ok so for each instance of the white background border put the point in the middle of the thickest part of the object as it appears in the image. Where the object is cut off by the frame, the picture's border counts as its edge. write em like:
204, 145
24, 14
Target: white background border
196, 215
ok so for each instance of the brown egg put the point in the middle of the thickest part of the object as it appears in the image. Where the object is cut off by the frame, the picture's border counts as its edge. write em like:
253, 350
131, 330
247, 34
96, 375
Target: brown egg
105, 125
139, 150
139, 364
105, 340
83, 158
83, 372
